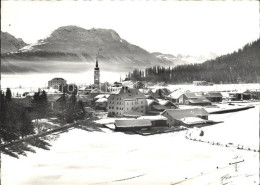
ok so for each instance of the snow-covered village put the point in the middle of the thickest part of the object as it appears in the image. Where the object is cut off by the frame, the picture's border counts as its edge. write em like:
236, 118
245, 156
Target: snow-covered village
85, 106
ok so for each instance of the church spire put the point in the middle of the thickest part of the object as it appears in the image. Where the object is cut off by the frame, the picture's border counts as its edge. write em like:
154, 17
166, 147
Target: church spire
97, 62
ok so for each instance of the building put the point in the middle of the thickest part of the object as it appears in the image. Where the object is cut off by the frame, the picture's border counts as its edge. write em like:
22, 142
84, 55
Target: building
167, 104
186, 117
157, 121
240, 95
97, 75
214, 96
132, 124
191, 98
126, 100
55, 83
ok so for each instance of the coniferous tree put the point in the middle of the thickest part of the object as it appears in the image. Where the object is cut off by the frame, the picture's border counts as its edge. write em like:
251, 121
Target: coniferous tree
8, 94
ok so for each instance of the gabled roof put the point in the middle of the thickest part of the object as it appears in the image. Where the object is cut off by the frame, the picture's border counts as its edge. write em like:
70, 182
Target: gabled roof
128, 93
132, 123
102, 96
148, 96
182, 113
190, 95
165, 102
214, 94
176, 94
101, 100
153, 118
193, 120
159, 107
149, 102
201, 100
134, 114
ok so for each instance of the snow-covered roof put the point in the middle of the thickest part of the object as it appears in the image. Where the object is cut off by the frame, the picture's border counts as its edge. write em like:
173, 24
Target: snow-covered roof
182, 113
130, 123
102, 96
192, 120
176, 94
101, 100
149, 102
157, 117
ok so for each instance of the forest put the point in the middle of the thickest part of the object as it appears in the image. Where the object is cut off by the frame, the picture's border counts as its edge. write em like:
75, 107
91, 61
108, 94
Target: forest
242, 66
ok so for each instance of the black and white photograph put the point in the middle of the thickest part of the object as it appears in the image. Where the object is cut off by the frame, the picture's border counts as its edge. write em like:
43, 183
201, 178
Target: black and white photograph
149, 92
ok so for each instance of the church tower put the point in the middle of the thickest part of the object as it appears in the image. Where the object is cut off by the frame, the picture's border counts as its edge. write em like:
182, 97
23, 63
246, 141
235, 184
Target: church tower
97, 74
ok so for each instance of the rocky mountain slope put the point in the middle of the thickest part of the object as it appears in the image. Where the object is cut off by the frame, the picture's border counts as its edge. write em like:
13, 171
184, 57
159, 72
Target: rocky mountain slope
75, 44
10, 44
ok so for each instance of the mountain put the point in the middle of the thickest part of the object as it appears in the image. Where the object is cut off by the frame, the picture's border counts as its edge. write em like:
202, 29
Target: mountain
240, 66
184, 59
75, 44
10, 44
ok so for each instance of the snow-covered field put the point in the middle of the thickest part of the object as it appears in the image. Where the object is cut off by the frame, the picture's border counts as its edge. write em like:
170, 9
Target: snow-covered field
215, 87
81, 157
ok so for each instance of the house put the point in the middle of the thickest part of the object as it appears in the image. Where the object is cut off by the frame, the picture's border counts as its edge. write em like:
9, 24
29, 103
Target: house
240, 95
157, 121
150, 97
132, 124
55, 83
55, 101
185, 117
52, 100
153, 107
174, 96
191, 98
125, 100
167, 104
101, 103
214, 96
117, 84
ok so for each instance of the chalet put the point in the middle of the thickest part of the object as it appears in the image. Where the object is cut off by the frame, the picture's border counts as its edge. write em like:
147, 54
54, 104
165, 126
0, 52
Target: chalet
186, 117
214, 96
240, 95
132, 124
125, 100
174, 96
191, 98
167, 104
101, 103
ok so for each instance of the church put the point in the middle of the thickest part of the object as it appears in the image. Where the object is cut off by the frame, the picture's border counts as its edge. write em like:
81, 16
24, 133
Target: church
97, 75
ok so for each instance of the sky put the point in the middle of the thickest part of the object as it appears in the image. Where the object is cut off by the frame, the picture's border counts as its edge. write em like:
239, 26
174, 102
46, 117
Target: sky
173, 27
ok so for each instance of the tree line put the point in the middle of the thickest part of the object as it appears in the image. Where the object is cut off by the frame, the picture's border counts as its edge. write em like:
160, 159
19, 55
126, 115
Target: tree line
16, 121
240, 66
